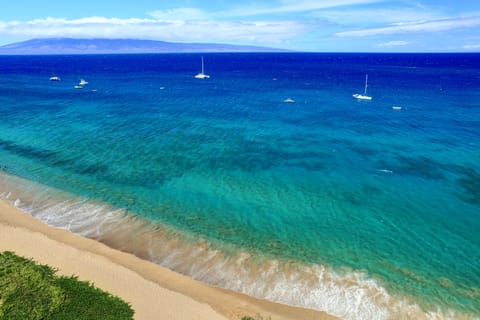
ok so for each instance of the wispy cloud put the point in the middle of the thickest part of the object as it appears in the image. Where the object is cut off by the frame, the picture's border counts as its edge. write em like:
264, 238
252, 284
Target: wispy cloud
255, 9
187, 14
393, 43
471, 46
156, 29
416, 27
306, 5
367, 16
293, 6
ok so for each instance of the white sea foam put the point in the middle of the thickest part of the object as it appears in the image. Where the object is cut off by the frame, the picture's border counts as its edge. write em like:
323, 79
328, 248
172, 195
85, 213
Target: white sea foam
346, 294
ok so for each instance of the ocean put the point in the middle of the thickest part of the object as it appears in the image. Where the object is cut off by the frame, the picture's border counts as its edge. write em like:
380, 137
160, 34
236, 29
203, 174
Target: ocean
351, 207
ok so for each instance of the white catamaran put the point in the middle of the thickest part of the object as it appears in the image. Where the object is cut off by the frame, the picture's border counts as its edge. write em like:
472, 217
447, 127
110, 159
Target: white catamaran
202, 74
364, 95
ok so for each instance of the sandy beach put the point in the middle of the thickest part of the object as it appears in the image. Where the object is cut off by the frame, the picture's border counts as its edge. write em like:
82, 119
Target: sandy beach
153, 291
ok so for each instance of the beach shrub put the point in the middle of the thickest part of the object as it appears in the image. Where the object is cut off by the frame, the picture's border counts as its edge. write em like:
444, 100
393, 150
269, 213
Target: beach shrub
258, 317
27, 290
87, 302
30, 291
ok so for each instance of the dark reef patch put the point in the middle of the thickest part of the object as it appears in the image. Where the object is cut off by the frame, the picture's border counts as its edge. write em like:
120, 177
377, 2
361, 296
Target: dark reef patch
420, 166
470, 182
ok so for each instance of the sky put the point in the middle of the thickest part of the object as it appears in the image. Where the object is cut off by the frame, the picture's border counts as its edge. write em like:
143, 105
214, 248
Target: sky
302, 25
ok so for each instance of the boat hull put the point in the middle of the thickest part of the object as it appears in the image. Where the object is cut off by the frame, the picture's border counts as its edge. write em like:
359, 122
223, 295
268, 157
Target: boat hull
202, 76
361, 97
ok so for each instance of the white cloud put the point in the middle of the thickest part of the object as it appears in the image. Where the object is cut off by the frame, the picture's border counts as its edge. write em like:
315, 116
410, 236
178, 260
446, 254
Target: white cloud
471, 46
394, 43
416, 27
264, 32
283, 7
180, 14
292, 6
307, 5
378, 16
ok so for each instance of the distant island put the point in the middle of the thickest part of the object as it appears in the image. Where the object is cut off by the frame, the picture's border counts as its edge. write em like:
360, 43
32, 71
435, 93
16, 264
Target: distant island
110, 46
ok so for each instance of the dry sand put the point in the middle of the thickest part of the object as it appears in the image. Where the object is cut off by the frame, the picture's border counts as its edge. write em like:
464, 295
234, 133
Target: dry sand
153, 291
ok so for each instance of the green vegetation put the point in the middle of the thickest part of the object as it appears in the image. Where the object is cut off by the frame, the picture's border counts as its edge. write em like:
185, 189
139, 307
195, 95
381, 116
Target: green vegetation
258, 317
33, 292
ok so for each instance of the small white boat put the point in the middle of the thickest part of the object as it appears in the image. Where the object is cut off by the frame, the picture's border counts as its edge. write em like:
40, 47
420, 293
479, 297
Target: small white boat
397, 108
361, 97
55, 78
289, 100
202, 74
82, 82
364, 95
78, 86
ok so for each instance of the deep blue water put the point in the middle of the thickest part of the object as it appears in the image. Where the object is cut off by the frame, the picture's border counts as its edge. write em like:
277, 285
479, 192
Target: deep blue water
382, 195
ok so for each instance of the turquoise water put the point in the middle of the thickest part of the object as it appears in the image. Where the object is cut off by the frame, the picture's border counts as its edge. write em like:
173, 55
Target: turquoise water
329, 203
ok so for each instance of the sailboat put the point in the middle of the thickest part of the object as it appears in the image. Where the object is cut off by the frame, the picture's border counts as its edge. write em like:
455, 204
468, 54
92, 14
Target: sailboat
202, 74
54, 77
364, 95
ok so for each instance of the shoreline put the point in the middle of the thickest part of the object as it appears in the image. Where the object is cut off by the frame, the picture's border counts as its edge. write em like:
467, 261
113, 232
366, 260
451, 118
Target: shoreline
151, 289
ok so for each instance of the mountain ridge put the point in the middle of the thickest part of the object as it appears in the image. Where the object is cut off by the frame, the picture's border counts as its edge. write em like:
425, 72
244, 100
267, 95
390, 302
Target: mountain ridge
119, 46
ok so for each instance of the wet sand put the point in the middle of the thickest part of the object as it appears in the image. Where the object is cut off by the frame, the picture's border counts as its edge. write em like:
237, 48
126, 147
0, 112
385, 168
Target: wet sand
153, 291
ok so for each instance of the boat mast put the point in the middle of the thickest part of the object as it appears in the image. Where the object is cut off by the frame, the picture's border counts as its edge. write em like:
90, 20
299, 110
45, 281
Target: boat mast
366, 84
202, 66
